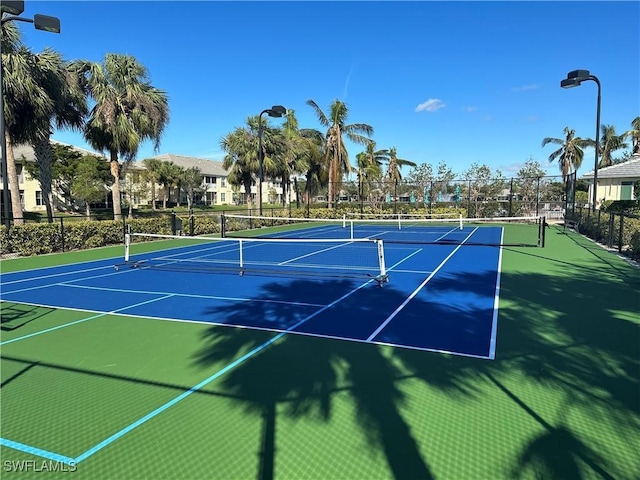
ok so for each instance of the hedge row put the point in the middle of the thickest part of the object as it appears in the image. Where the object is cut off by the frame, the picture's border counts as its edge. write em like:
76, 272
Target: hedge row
39, 238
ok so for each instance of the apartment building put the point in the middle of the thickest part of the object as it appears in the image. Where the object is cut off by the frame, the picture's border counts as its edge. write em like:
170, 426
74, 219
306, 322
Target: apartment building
216, 190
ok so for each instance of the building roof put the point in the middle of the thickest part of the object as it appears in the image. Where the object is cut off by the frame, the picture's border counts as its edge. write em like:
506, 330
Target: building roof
207, 167
27, 151
628, 169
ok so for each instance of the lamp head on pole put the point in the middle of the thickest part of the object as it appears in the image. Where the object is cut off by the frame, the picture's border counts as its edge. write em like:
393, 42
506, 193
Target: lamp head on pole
46, 23
579, 75
569, 83
277, 111
12, 7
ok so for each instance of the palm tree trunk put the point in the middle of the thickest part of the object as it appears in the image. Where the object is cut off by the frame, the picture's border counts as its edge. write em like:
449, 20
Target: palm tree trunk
331, 191
295, 188
115, 188
153, 195
247, 189
14, 186
44, 157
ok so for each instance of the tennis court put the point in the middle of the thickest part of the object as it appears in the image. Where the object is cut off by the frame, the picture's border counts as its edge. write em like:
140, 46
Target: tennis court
181, 344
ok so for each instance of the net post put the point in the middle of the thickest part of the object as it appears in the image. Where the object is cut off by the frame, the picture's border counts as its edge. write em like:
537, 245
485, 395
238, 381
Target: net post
223, 225
127, 242
461, 223
344, 220
241, 256
399, 222
544, 230
351, 230
383, 268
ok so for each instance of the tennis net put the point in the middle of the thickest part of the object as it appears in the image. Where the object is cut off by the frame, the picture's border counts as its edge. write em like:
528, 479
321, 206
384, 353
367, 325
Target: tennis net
499, 231
277, 256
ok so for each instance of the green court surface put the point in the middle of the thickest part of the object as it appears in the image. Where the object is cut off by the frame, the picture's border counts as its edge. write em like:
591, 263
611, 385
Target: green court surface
561, 399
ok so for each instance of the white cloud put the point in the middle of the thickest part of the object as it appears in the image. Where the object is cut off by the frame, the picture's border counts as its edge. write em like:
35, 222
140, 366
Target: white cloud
524, 88
487, 118
469, 109
430, 105
532, 119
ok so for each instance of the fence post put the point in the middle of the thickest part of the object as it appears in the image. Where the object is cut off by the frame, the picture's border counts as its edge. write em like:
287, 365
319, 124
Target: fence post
597, 233
173, 222
611, 226
511, 199
620, 242
62, 232
192, 223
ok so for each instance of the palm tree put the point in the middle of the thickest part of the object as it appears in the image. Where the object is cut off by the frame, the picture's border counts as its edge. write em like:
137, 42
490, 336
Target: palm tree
634, 134
241, 146
315, 155
337, 157
369, 164
295, 158
570, 153
609, 143
26, 101
395, 164
152, 174
69, 109
128, 110
169, 176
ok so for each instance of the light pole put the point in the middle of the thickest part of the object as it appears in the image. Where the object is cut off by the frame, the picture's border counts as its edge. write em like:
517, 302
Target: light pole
40, 22
574, 79
275, 111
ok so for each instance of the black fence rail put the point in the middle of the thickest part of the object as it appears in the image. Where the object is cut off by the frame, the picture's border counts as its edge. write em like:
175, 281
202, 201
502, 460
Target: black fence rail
616, 230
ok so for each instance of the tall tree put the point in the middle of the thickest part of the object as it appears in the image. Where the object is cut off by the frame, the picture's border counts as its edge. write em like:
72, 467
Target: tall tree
337, 157
127, 111
26, 101
152, 174
295, 159
570, 153
609, 143
395, 164
169, 177
89, 182
369, 164
315, 154
69, 109
634, 134
241, 147
191, 182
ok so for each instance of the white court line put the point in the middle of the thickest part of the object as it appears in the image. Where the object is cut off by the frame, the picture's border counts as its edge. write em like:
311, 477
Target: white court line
496, 305
42, 277
450, 231
83, 320
420, 287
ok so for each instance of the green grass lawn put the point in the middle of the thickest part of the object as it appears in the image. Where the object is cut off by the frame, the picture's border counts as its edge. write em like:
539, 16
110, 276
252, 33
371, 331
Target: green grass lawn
561, 399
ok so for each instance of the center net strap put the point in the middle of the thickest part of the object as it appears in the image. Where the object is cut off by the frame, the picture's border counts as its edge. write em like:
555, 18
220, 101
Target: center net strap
285, 256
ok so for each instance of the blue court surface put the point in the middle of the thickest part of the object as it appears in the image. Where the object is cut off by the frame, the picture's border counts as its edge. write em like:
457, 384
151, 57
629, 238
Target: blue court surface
439, 297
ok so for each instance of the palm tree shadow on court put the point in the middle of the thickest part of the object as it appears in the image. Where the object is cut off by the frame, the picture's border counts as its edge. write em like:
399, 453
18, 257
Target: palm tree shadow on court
300, 376
571, 334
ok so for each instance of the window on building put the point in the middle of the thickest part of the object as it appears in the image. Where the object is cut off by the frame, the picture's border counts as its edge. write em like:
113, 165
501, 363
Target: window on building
39, 201
223, 182
223, 197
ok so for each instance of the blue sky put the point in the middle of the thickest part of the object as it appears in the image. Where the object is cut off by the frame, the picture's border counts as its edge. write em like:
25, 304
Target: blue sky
458, 82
